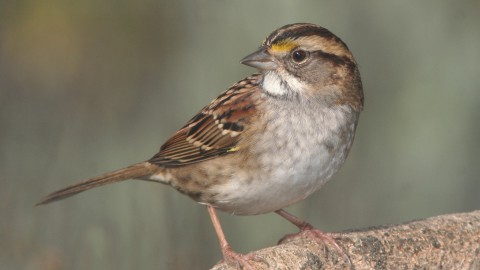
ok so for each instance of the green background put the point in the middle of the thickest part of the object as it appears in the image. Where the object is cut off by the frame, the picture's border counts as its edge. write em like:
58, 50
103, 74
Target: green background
91, 86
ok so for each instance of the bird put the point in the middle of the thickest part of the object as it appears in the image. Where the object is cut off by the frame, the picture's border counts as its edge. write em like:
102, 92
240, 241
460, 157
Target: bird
267, 142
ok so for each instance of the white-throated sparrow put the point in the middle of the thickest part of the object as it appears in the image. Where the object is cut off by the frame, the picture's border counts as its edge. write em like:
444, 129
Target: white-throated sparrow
270, 140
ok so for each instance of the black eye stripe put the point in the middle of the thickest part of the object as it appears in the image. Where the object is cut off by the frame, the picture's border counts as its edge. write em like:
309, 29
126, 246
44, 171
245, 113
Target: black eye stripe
299, 55
338, 60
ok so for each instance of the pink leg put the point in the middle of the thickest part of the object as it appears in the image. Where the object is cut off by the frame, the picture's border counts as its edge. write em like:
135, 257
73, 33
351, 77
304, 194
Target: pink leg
306, 229
229, 255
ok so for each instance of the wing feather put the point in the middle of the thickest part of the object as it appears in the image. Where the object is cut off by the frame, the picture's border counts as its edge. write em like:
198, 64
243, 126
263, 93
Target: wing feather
215, 130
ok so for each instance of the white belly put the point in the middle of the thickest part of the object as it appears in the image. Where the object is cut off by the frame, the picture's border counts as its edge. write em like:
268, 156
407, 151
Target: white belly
295, 162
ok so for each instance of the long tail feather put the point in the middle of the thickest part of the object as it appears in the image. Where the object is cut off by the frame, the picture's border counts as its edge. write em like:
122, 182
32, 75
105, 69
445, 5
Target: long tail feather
134, 171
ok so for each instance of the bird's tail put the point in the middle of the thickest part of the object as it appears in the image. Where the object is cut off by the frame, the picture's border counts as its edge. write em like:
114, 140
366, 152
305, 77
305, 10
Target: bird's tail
138, 170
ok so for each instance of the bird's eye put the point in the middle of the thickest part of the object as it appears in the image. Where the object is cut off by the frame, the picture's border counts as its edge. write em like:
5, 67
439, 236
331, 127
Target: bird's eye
299, 55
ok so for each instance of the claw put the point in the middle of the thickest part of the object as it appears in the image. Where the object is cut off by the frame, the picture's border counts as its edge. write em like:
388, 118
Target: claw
233, 258
308, 231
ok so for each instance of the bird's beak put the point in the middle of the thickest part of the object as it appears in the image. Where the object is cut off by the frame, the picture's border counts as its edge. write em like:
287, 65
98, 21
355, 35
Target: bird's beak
260, 59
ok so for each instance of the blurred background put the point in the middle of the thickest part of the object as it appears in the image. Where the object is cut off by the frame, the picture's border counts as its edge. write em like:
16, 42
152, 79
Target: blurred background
91, 86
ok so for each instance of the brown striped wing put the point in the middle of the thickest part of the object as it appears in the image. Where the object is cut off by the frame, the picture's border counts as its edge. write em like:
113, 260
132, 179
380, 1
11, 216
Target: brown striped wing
215, 130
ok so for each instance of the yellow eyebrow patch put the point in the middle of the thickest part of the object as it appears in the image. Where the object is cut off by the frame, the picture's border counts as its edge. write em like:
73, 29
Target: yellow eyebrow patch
284, 45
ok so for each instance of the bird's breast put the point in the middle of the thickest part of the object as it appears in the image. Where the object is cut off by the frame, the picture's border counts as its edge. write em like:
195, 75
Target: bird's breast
295, 155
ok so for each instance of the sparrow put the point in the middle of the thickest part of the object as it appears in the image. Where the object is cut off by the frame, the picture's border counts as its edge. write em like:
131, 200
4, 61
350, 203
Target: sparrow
267, 142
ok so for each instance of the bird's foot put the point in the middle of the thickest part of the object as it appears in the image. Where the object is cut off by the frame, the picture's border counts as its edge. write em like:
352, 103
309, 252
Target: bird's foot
241, 261
308, 231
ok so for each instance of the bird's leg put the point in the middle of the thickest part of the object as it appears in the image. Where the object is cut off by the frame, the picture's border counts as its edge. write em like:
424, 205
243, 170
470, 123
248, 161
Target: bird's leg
307, 230
229, 255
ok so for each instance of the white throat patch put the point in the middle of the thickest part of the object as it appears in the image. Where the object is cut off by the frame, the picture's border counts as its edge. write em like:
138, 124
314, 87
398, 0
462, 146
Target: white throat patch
281, 84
